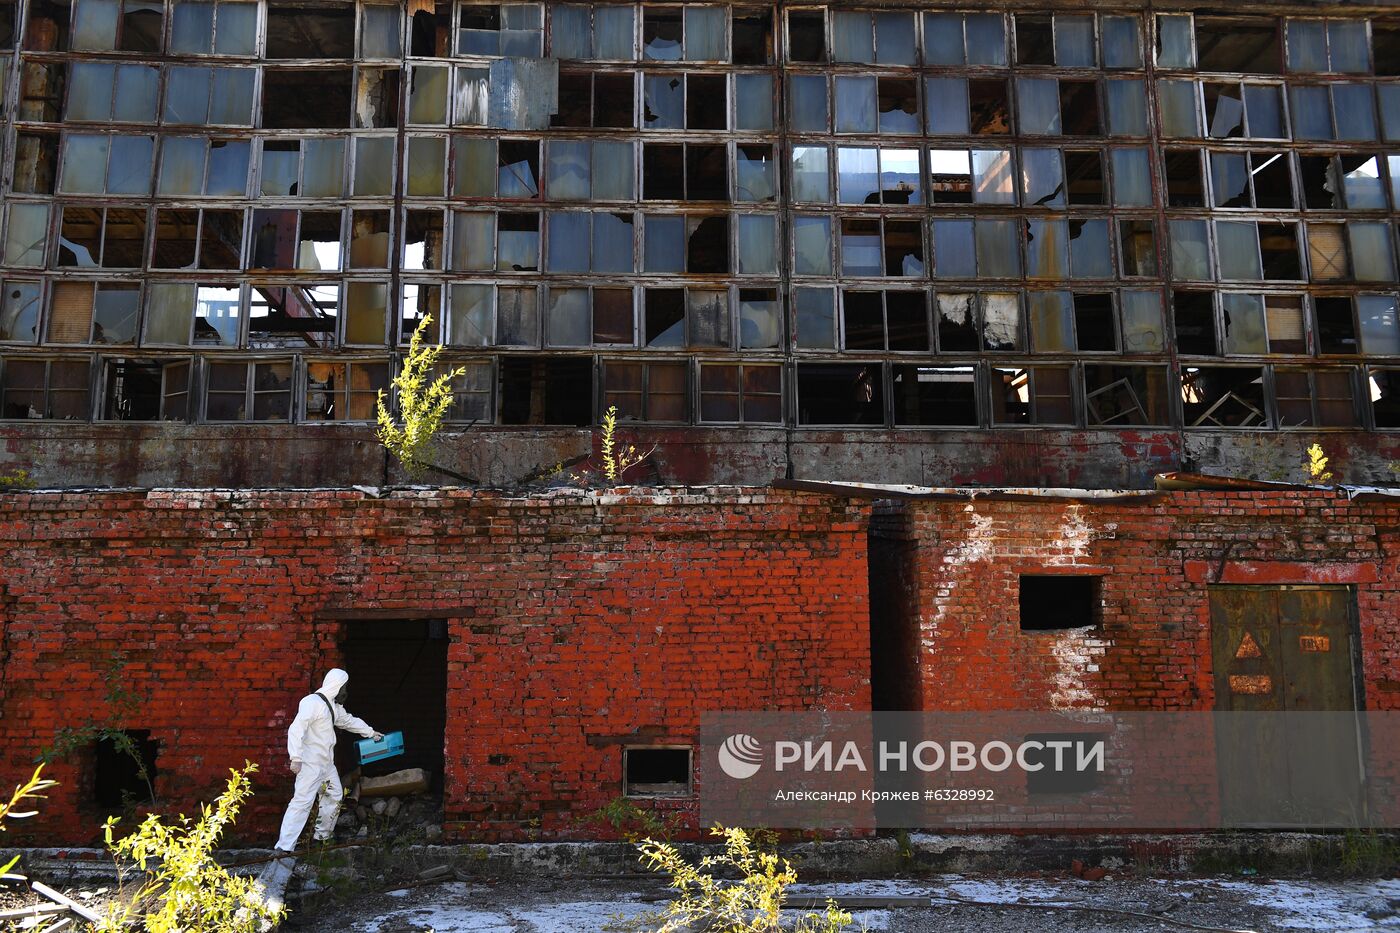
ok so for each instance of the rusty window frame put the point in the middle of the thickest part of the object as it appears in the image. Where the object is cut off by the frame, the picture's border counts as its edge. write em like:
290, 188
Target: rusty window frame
154, 239
434, 259
341, 252
741, 395
607, 397
103, 212
1317, 402
405, 317
207, 145
591, 10
479, 382
313, 287
47, 388
342, 138
32, 306
178, 73
1024, 378
192, 337
1329, 63
888, 334
252, 392
64, 170
214, 36
501, 27
940, 371
109, 364
998, 61
117, 96
345, 394
1253, 413
1120, 387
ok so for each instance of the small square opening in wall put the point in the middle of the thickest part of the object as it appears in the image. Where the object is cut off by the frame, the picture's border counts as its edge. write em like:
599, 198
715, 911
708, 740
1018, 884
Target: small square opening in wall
1058, 601
125, 768
656, 772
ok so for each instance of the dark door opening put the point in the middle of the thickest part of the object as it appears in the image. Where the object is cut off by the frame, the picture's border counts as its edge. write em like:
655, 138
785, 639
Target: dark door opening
398, 683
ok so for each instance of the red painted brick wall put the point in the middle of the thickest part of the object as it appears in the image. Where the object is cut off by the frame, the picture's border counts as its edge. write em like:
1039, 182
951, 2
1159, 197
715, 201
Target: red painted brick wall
1157, 556
579, 623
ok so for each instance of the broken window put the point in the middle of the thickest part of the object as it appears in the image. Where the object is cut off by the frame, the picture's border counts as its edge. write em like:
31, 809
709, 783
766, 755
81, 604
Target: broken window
1194, 315
1001, 321
1223, 397
1238, 45
343, 391
293, 314
19, 311
291, 239
509, 29
145, 390
304, 98
309, 168
1079, 108
878, 176
864, 251
745, 394
26, 233
1035, 39
301, 30
689, 172
960, 176
988, 107
96, 238
93, 312
1285, 327
840, 394
1052, 602
656, 772
1125, 396
964, 38
1335, 325
36, 159
248, 391
935, 395
417, 301
44, 388
197, 165
806, 31
955, 319
885, 320
116, 25
228, 27
1032, 395
647, 391
1137, 247
185, 314
1384, 385
1095, 327
193, 239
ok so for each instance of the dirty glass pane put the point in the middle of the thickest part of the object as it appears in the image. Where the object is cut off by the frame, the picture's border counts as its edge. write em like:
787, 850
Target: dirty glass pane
571, 32
25, 234
663, 101
856, 105
169, 313
1190, 250
366, 305
518, 242
1361, 182
954, 249
1347, 44
95, 25
1132, 177
1236, 248
943, 39
192, 27
567, 322
1393, 162
187, 95
228, 168
427, 165
898, 106
1042, 178
473, 167
1074, 41
379, 31
858, 176
1090, 255
568, 164
705, 32
114, 314
236, 32
1264, 110
755, 173
760, 322
946, 100
1176, 48
473, 241
1127, 107
1312, 118
851, 37
1372, 255
182, 165
894, 38
129, 168
1244, 323
1229, 175
664, 248
1224, 110
756, 242
1307, 45
1051, 321
137, 87
427, 95
998, 252
324, 167
517, 318
986, 39
613, 171
19, 312
1122, 47
811, 244
860, 246
613, 31
232, 101
1355, 107
1001, 325
810, 179
1142, 320
84, 164
612, 242
1177, 102
369, 240
707, 318
568, 242
816, 318
472, 100
753, 102
808, 103
992, 177
472, 313
1380, 325
374, 165
1038, 105
90, 91
1047, 249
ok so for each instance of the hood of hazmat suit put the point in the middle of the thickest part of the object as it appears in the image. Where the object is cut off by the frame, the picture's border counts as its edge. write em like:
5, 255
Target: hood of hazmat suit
311, 737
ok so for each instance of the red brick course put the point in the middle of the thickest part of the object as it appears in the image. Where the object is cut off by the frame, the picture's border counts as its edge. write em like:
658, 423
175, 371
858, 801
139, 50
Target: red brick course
578, 622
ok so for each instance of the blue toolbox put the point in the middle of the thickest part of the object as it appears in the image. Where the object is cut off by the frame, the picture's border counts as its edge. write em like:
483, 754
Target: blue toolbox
387, 747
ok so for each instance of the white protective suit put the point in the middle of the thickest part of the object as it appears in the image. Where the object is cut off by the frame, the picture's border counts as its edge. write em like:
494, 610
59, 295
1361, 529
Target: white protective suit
311, 745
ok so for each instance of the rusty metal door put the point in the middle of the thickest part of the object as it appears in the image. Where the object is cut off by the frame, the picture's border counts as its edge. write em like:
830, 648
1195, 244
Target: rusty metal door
1284, 649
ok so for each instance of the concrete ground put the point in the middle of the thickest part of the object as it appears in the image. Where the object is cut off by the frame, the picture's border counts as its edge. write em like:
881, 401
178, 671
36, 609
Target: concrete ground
1018, 904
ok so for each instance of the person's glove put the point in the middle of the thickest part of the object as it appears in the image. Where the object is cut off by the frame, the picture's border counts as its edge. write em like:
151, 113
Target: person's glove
378, 737
296, 766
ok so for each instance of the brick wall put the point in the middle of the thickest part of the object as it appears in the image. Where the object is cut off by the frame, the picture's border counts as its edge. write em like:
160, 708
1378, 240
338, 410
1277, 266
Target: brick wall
579, 623
1157, 556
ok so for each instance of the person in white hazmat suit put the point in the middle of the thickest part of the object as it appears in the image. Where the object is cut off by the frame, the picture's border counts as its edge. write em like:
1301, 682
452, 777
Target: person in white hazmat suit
311, 745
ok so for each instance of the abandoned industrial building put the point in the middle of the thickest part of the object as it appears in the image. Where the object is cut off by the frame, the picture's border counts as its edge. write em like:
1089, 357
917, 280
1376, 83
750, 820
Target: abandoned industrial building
1017, 263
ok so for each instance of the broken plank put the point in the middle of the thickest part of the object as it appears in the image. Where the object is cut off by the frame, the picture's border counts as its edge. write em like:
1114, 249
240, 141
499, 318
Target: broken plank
91, 916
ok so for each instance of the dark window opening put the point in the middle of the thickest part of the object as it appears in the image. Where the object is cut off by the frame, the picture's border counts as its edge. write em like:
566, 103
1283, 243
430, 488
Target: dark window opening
1068, 777
133, 390
1195, 322
1237, 45
1336, 326
541, 390
807, 36
989, 110
1035, 40
1093, 321
840, 393
929, 395
706, 105
1079, 108
1084, 176
1058, 601
322, 32
1183, 172
656, 772
752, 37
303, 99
125, 769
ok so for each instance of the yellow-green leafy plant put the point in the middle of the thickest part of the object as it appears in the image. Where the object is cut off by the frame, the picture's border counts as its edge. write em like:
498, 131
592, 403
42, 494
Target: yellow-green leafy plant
183, 890
617, 460
32, 789
1317, 465
423, 403
748, 899
18, 479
